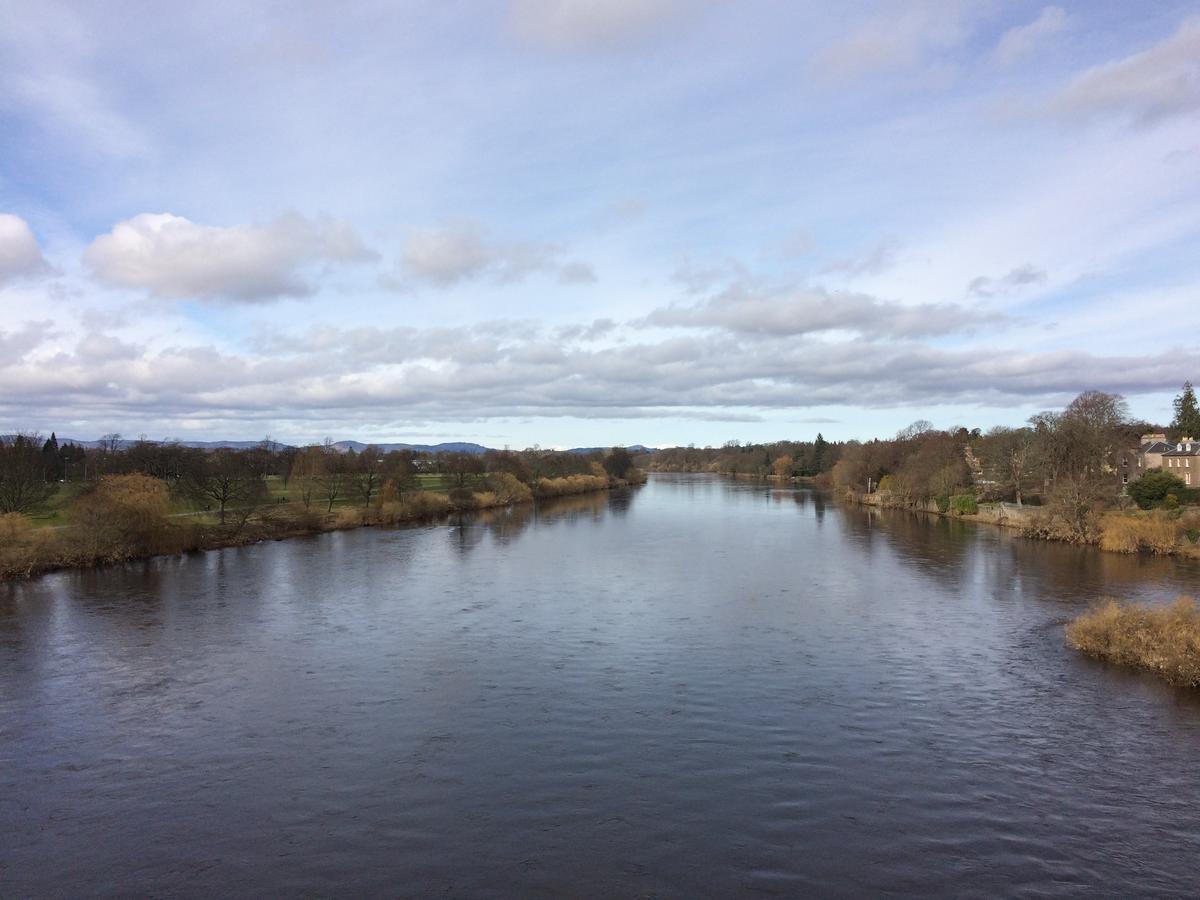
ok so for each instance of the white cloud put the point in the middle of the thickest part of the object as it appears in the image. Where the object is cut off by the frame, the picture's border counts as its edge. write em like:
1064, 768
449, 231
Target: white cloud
170, 256
1018, 43
904, 37
741, 309
20, 256
1018, 278
590, 24
1157, 83
447, 255
15, 345
877, 259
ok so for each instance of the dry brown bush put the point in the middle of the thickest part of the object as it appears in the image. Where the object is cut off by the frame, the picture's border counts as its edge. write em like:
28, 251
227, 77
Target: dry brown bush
508, 488
415, 507
1126, 533
571, 484
1165, 639
24, 549
123, 517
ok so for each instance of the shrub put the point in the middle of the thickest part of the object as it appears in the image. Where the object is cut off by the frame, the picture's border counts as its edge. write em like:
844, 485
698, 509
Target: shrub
14, 529
1131, 533
1165, 640
508, 488
571, 484
417, 506
349, 518
462, 498
1171, 501
964, 505
122, 517
943, 504
1192, 534
486, 500
23, 549
1154, 487
298, 517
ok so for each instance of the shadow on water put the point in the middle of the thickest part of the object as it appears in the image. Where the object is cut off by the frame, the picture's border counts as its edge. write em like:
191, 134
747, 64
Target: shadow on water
506, 524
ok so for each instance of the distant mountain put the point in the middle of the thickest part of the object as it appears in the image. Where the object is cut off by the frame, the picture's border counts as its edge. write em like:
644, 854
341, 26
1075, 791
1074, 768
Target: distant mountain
450, 447
343, 446
632, 448
125, 443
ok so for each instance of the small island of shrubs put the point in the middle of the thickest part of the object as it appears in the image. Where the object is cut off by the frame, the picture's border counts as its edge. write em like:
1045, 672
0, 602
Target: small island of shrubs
1164, 640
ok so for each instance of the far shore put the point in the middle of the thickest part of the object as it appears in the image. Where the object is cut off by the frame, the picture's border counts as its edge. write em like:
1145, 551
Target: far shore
27, 552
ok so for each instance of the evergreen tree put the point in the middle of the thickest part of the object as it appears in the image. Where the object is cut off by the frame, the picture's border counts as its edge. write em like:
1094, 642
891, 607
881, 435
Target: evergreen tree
1187, 414
818, 455
52, 459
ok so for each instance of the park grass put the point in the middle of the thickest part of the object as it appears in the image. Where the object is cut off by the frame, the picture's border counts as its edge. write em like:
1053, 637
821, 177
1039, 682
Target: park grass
1163, 639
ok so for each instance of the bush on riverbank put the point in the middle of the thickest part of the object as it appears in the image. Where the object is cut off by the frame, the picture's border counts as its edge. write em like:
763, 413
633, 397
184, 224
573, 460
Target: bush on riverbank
1124, 533
571, 484
1164, 640
21, 546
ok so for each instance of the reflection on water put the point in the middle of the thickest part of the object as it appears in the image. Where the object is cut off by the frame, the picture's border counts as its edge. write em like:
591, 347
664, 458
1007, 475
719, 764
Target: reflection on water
703, 687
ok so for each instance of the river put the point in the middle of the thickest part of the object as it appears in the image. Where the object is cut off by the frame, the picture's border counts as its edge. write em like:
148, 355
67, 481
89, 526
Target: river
703, 687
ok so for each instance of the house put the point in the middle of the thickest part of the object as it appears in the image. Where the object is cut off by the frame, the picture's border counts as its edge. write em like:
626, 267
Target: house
1178, 461
1133, 463
1151, 450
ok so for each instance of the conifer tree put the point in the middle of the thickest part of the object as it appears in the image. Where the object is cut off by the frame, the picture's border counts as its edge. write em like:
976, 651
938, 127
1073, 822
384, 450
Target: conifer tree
1187, 415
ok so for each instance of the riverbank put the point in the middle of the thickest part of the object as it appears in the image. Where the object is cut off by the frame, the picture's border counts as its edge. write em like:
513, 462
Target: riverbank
1119, 531
129, 528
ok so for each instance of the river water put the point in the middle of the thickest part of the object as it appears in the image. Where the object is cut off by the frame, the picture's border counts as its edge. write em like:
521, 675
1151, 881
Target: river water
701, 688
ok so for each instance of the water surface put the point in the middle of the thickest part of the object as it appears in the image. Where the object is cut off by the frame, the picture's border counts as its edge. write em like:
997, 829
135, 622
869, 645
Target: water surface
705, 687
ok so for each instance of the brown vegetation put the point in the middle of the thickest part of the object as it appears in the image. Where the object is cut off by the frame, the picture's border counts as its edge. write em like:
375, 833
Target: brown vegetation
1131, 533
1164, 640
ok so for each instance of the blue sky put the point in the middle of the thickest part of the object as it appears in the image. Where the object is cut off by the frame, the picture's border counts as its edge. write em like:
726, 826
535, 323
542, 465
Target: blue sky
578, 222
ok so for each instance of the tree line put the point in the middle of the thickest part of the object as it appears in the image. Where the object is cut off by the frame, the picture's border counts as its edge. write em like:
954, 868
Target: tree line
233, 480
1075, 463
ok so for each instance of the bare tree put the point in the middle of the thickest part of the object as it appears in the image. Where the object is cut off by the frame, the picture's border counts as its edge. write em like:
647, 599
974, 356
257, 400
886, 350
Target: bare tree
1008, 454
366, 475
231, 481
23, 483
331, 480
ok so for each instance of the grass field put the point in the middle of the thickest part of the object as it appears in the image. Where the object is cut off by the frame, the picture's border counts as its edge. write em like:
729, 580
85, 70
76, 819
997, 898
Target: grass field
55, 512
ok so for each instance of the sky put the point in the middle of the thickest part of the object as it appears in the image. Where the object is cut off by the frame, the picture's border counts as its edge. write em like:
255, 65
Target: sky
592, 222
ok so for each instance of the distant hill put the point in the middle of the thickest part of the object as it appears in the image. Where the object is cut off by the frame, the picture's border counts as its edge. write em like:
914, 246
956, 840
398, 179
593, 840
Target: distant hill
344, 446
125, 443
450, 447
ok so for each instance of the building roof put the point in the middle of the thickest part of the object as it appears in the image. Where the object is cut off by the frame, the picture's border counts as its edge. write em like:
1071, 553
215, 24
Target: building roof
1155, 447
1184, 448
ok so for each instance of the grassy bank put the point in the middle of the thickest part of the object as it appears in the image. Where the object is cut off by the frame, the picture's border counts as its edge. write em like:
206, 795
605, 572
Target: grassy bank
1162, 532
1164, 640
130, 517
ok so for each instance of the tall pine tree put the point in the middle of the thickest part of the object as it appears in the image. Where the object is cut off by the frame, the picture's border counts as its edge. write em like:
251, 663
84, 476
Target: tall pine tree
1187, 415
